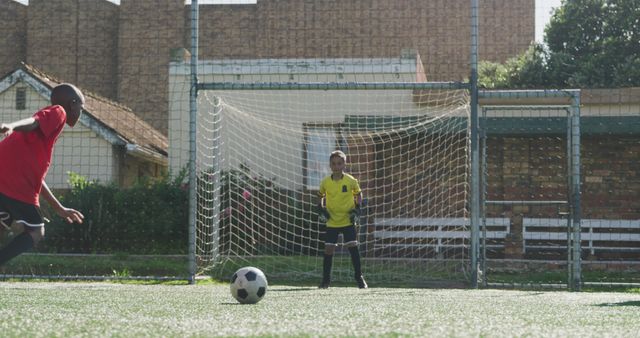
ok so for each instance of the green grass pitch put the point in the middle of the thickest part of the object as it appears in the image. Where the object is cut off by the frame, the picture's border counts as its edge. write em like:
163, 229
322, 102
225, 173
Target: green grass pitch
79, 309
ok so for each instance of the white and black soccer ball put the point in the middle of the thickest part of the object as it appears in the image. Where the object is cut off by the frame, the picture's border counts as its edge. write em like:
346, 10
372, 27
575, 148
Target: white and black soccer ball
248, 285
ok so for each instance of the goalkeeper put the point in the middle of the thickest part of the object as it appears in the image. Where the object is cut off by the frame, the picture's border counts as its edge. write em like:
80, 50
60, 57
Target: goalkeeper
340, 200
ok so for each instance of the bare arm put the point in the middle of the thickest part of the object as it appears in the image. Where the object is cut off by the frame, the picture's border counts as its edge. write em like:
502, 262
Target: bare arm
69, 215
27, 124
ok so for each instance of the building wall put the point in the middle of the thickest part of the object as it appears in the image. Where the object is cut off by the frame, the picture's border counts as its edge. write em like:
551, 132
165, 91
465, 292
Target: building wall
98, 53
8, 112
132, 169
122, 52
75, 41
13, 25
611, 177
534, 168
81, 151
439, 30
149, 30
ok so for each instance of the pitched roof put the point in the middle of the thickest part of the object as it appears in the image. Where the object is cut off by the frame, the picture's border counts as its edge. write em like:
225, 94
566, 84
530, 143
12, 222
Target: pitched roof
113, 121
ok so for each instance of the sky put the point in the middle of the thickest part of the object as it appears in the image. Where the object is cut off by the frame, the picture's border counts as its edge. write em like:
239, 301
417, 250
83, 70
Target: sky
543, 14
543, 10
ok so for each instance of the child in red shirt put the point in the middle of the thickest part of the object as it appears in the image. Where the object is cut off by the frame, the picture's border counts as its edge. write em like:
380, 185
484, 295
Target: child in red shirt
26, 155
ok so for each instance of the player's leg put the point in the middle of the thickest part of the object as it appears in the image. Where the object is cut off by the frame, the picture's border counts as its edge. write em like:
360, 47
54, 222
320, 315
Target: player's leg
352, 244
5, 222
28, 217
331, 241
5, 216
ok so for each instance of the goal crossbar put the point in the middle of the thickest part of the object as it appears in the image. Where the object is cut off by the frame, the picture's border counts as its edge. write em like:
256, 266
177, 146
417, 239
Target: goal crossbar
330, 85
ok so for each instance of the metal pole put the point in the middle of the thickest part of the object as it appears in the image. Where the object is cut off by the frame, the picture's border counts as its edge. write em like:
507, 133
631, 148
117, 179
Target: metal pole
329, 85
575, 193
193, 108
570, 242
527, 93
483, 194
475, 171
217, 172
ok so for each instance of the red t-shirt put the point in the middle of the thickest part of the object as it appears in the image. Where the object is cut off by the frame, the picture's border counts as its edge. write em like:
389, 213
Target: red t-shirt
25, 156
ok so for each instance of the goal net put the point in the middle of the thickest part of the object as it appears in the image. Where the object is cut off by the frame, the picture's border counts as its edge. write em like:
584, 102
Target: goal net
261, 155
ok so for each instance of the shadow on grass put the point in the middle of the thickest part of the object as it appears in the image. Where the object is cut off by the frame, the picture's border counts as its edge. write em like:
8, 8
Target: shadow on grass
293, 289
627, 303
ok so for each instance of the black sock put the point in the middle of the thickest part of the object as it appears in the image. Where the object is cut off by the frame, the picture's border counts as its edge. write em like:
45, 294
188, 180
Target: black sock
18, 245
355, 260
326, 268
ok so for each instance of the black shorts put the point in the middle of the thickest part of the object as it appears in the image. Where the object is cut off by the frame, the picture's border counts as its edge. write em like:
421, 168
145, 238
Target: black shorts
348, 235
13, 210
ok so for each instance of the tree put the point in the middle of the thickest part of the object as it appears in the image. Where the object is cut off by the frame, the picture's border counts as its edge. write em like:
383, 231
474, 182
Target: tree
523, 71
589, 44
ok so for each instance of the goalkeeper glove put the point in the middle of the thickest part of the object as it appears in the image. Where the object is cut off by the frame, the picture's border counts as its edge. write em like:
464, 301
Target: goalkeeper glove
323, 214
354, 215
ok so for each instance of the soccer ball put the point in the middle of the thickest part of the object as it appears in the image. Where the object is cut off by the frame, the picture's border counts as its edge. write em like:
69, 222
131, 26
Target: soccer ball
248, 285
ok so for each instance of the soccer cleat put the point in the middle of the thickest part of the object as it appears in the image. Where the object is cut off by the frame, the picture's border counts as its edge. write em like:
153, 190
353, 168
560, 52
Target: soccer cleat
361, 282
324, 285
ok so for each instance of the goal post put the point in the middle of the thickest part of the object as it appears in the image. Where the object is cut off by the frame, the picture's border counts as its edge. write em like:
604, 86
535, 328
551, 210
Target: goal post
531, 178
424, 136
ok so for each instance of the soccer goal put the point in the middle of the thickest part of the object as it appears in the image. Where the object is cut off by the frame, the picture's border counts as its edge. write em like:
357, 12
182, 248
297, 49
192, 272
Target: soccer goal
260, 135
261, 153
531, 218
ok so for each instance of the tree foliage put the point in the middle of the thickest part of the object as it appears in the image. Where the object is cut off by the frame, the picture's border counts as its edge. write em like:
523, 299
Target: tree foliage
589, 44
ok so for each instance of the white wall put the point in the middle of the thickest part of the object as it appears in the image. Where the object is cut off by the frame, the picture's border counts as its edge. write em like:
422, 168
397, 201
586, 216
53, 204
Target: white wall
264, 132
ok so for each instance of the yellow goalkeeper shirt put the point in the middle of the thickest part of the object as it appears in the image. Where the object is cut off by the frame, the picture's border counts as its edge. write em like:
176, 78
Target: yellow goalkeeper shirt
339, 198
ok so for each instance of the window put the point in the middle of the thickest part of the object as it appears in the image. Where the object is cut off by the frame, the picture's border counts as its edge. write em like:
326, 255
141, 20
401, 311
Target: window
21, 98
320, 139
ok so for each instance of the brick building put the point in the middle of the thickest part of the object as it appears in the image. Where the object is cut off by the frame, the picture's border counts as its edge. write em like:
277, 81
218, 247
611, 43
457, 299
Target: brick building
123, 51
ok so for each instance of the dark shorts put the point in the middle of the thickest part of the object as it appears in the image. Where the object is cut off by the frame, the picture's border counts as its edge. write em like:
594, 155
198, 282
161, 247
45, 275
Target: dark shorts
13, 210
348, 235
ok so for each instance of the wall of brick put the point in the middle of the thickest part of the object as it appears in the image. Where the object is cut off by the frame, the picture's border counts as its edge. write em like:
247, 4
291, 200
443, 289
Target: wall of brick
149, 30
611, 177
526, 168
98, 47
519, 168
52, 38
534, 168
421, 175
75, 41
227, 31
438, 30
13, 25
122, 52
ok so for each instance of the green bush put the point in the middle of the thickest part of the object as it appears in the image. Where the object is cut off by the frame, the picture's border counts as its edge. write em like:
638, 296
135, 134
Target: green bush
260, 217
151, 217
256, 216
